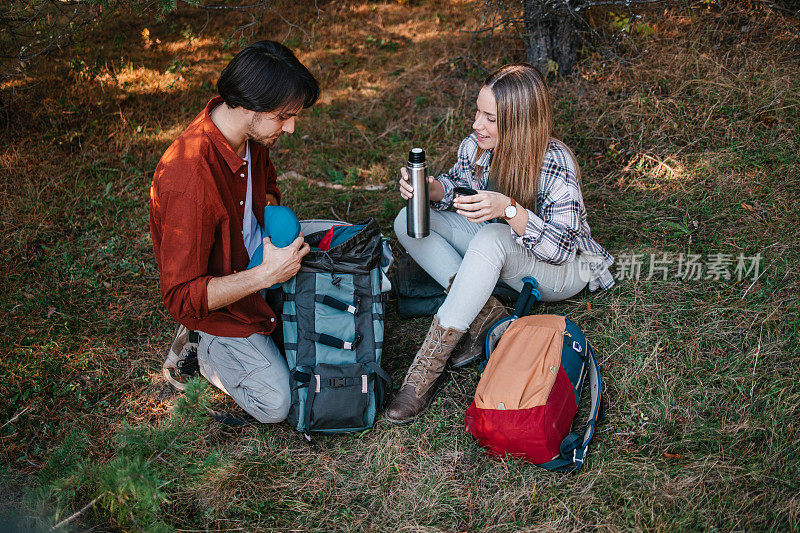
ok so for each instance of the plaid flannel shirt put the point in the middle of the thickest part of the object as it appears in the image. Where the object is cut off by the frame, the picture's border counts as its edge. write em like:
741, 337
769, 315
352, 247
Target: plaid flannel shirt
561, 229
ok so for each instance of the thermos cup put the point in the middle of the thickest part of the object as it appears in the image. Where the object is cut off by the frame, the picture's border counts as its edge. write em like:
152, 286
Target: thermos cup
418, 210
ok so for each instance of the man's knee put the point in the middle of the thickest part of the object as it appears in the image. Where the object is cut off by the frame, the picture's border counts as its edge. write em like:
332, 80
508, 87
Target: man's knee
251, 370
269, 406
272, 414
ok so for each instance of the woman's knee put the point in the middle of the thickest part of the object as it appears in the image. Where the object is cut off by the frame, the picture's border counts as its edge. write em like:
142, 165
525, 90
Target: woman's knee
400, 223
492, 240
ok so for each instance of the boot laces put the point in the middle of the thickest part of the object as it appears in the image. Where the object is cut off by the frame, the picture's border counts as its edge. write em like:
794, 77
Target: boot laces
425, 358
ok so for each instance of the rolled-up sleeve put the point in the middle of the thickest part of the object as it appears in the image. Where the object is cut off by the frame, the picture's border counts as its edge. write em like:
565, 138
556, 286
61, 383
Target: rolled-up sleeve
460, 175
448, 182
182, 253
552, 237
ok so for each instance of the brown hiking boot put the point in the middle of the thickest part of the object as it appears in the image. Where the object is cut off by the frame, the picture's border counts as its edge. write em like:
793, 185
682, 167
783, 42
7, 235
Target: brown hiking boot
420, 384
471, 347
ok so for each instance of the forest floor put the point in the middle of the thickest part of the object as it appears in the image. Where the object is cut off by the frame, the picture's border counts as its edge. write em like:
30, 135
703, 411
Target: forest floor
687, 129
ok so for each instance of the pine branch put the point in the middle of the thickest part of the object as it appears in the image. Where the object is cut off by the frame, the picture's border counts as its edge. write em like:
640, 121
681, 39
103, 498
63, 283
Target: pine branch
627, 3
77, 514
16, 416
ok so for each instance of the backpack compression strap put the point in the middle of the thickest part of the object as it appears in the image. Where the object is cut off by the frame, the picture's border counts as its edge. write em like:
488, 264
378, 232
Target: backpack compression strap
574, 447
314, 385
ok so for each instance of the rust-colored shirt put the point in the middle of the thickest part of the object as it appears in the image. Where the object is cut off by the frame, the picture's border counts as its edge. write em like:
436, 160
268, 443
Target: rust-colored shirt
196, 212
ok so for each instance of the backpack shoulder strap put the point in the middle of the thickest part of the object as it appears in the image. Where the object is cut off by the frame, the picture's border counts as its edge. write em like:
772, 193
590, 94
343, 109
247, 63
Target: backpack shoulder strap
574, 447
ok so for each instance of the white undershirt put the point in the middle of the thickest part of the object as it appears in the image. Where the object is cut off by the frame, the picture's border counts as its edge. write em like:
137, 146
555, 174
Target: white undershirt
251, 231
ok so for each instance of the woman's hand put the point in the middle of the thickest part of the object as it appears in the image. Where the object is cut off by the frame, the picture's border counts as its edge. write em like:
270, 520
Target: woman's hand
435, 190
481, 207
406, 190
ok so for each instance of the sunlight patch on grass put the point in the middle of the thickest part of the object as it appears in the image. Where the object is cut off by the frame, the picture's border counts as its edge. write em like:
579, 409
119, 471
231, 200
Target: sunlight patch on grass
143, 80
16, 83
13, 156
646, 172
166, 135
194, 47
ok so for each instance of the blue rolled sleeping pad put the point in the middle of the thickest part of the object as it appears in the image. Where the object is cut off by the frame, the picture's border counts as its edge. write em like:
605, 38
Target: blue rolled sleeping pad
282, 228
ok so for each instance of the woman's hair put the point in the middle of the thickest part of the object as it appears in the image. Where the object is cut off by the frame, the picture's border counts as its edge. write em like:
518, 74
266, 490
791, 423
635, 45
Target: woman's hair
266, 76
524, 128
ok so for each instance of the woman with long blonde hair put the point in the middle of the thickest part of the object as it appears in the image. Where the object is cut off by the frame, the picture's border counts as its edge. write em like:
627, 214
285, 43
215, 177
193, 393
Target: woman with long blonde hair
527, 219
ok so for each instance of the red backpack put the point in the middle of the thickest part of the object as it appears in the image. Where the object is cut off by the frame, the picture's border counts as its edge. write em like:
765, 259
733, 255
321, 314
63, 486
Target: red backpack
528, 394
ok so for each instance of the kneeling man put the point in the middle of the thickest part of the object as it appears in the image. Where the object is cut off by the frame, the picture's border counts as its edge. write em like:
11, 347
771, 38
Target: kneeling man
207, 204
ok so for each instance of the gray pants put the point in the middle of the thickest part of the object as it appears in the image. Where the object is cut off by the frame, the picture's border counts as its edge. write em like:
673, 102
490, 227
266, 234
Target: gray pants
250, 370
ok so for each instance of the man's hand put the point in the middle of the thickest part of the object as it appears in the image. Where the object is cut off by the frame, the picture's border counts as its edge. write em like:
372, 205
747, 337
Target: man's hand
280, 264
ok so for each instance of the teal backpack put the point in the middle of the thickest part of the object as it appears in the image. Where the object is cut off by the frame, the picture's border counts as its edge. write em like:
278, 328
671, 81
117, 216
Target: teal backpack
333, 329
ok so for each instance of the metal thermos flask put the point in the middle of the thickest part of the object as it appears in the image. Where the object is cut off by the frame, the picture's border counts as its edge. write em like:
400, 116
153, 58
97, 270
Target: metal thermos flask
418, 210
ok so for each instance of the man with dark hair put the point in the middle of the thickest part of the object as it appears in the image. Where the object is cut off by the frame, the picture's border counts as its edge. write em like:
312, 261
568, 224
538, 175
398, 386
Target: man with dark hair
207, 204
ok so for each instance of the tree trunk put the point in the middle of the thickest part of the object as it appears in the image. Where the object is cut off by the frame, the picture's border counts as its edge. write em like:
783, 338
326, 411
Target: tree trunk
550, 39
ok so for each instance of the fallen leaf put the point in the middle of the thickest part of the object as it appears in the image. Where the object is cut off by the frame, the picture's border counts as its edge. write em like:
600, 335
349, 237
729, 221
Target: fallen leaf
767, 120
107, 284
50, 311
747, 206
588, 306
672, 455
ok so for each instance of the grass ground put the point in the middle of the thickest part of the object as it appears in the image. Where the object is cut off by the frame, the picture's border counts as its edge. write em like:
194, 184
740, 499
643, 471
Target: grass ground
687, 130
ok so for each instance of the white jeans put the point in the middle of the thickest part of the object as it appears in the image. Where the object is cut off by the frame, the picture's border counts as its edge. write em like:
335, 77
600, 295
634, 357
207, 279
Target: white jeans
477, 255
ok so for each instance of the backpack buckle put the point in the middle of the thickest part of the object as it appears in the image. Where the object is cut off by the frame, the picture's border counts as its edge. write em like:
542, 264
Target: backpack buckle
579, 460
337, 382
354, 344
353, 309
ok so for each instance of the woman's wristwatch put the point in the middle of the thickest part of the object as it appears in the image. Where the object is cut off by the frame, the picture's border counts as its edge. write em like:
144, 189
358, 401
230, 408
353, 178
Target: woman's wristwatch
510, 210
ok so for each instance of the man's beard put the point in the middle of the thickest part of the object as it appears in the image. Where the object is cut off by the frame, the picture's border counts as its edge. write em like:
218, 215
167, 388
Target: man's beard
266, 142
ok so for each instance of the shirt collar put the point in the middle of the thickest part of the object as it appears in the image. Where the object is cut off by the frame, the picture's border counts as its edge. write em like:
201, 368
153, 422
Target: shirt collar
233, 159
486, 158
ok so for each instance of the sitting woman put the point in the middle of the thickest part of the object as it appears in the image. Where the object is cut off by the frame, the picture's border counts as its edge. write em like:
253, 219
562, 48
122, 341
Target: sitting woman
528, 180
